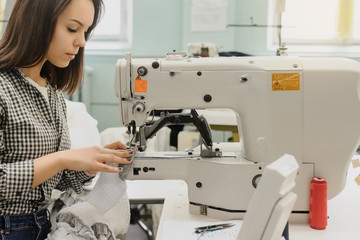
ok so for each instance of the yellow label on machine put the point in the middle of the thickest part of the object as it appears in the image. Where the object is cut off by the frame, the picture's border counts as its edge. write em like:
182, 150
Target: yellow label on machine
285, 81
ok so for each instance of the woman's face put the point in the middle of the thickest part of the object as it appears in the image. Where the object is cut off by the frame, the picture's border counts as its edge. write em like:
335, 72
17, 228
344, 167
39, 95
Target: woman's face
70, 30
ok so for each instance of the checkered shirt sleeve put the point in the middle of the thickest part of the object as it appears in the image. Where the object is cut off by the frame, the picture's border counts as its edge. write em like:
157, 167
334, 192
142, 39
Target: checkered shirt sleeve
30, 127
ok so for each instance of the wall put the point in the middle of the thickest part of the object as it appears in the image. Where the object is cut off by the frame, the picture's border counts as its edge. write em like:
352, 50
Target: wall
252, 40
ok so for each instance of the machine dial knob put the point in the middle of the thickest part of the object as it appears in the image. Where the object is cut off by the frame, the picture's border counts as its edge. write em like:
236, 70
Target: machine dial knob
139, 107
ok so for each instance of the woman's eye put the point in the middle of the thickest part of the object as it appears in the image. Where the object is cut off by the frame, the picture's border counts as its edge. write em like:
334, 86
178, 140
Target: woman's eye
71, 30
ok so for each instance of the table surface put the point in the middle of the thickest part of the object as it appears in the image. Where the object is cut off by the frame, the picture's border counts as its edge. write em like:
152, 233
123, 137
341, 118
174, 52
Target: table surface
343, 210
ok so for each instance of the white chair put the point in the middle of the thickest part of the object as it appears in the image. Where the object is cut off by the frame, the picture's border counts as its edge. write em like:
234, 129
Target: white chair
272, 202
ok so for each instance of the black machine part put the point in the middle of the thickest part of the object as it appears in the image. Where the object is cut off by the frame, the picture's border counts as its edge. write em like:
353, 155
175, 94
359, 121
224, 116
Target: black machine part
150, 129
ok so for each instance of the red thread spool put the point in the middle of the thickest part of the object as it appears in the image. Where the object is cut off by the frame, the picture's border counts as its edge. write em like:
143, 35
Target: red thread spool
318, 203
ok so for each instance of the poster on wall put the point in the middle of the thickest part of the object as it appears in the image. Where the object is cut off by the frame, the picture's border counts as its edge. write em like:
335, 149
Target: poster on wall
208, 15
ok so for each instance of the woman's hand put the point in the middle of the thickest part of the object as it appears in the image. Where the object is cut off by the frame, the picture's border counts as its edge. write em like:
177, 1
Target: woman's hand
90, 160
96, 159
115, 146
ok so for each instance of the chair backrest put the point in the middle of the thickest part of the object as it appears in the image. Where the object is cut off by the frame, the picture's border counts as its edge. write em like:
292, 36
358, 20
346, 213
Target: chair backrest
272, 202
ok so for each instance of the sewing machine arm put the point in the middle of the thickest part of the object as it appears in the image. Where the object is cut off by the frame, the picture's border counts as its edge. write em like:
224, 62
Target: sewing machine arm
150, 129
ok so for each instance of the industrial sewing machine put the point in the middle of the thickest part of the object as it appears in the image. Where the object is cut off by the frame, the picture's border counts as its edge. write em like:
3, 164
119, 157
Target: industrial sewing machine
306, 107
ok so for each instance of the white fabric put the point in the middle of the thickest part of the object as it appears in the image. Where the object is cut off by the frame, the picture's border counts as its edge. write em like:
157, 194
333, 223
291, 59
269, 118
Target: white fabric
120, 211
107, 201
85, 217
159, 143
82, 126
109, 191
83, 133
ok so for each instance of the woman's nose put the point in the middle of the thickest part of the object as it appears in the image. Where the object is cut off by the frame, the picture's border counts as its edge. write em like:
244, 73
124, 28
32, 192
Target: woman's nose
80, 41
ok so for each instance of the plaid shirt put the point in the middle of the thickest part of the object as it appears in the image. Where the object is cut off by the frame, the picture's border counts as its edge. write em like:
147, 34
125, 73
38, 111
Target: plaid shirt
30, 127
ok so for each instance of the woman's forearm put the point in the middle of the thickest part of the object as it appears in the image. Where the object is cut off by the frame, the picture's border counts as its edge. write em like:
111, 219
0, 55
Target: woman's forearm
46, 167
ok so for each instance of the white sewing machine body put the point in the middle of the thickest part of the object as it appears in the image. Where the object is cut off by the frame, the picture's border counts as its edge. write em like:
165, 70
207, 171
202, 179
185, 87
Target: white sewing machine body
306, 107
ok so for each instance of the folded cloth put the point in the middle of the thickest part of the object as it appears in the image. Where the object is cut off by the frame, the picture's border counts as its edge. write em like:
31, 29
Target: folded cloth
81, 221
90, 218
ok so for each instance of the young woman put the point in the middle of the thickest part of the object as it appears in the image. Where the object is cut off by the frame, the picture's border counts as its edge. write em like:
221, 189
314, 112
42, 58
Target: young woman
41, 56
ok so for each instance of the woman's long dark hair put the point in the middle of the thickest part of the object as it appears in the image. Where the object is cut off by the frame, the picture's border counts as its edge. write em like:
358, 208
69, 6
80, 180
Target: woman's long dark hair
28, 35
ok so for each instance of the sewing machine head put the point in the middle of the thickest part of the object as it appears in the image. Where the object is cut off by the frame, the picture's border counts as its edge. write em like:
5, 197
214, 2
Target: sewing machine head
306, 107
